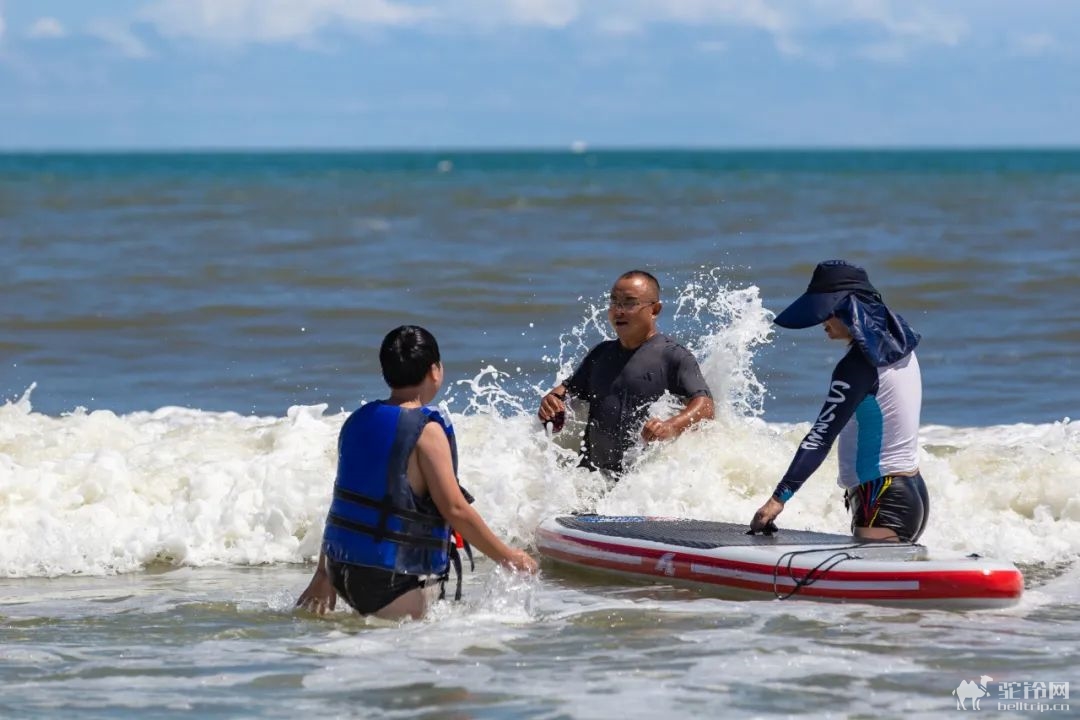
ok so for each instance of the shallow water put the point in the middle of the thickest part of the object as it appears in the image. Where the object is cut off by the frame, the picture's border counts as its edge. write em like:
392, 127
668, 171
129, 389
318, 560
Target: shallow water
223, 643
198, 326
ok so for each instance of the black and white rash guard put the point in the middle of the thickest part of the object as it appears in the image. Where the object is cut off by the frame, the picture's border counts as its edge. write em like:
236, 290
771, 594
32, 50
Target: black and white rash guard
875, 413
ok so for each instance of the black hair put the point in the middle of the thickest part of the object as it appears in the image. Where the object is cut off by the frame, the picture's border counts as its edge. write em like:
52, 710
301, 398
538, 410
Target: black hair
406, 355
647, 276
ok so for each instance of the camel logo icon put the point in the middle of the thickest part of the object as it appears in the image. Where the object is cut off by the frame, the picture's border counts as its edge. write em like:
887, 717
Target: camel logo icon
968, 690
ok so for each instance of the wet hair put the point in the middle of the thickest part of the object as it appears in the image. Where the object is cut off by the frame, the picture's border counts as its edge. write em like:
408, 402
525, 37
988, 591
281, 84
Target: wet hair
648, 277
406, 355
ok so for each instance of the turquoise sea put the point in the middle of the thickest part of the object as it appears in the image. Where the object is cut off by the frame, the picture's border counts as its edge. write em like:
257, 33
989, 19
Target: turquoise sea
183, 334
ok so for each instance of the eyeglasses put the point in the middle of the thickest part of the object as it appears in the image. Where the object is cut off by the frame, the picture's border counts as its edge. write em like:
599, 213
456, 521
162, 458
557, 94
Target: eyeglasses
629, 305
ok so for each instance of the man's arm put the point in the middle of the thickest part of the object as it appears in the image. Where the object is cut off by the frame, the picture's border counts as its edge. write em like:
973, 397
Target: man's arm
699, 408
685, 380
437, 469
576, 385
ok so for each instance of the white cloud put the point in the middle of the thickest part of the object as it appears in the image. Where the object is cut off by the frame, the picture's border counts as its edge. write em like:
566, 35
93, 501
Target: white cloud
900, 20
46, 28
892, 27
548, 13
120, 37
1, 22
794, 24
238, 22
1033, 44
752, 13
619, 26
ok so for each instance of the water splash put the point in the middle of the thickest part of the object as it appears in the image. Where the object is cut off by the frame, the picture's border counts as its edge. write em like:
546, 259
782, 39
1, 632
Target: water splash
723, 327
97, 493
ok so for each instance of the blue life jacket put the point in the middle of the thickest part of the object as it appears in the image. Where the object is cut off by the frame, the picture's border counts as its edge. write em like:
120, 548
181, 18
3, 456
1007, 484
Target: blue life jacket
375, 519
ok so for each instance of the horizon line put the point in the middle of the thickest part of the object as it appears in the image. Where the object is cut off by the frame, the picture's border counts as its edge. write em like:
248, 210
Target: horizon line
576, 148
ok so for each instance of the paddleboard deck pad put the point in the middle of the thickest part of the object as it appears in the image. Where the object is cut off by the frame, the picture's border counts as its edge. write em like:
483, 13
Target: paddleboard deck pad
787, 564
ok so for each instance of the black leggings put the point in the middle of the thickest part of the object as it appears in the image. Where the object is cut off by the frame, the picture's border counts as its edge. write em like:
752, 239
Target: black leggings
368, 590
897, 502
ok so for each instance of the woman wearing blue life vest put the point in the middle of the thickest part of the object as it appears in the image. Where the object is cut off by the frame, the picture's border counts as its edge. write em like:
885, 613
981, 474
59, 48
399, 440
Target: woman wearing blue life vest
397, 501
873, 408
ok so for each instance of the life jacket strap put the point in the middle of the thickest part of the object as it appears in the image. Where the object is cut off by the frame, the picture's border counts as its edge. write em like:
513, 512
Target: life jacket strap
387, 507
432, 543
468, 553
456, 541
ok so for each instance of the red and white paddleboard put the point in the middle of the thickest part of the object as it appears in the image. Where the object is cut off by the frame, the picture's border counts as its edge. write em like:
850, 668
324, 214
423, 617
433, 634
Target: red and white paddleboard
789, 563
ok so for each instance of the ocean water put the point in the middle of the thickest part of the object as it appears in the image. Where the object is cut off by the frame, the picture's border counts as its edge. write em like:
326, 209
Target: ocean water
183, 335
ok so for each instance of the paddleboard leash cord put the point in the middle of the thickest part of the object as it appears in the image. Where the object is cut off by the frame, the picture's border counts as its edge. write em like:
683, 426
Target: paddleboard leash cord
814, 574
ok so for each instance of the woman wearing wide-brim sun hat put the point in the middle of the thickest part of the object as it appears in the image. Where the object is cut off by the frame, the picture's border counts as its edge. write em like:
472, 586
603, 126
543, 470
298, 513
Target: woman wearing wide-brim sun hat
873, 407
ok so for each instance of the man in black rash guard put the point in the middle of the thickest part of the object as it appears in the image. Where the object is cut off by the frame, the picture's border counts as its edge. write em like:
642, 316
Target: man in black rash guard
621, 378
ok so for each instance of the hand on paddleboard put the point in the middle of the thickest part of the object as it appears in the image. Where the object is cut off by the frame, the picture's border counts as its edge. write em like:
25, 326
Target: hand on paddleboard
764, 518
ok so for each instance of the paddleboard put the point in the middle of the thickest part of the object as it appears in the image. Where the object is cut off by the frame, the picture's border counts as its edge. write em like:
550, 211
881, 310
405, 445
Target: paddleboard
789, 564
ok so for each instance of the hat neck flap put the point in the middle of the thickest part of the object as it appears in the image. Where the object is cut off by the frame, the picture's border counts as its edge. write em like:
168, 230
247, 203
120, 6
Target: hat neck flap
883, 336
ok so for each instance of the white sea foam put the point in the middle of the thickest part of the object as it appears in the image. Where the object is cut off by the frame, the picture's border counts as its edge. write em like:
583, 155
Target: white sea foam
98, 493
91, 493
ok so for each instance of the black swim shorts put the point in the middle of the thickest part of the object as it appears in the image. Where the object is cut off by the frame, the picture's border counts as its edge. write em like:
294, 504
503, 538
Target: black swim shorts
897, 502
368, 590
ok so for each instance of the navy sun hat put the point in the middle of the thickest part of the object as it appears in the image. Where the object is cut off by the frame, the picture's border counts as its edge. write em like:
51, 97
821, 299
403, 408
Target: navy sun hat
833, 280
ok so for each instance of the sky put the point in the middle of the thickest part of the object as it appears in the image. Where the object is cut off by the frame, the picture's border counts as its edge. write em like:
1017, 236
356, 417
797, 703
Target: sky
174, 74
